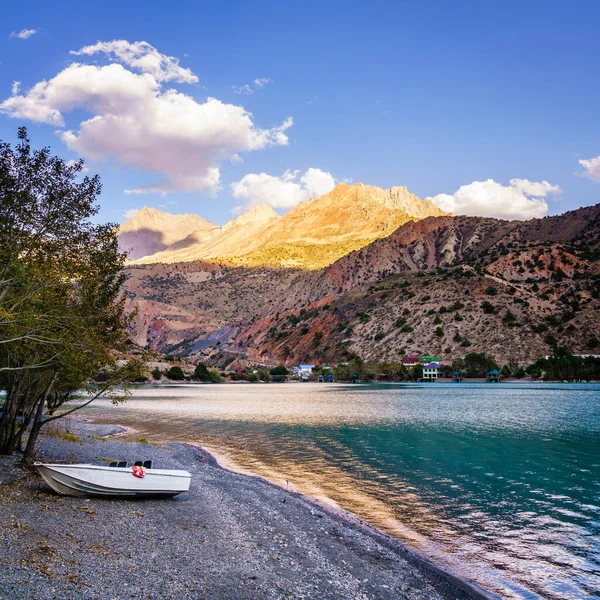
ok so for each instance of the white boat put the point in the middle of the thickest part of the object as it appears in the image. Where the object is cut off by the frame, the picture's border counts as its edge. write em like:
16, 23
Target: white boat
114, 481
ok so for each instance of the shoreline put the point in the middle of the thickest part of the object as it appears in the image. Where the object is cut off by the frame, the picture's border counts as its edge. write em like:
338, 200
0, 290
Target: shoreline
427, 579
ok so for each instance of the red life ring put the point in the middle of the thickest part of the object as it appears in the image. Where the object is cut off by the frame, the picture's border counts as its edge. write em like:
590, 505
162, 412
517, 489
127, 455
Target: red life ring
138, 472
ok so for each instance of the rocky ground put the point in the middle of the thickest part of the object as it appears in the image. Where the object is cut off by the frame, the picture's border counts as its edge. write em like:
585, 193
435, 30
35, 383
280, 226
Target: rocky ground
232, 536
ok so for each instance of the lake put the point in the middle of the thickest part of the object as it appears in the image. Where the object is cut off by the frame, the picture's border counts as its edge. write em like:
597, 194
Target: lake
498, 482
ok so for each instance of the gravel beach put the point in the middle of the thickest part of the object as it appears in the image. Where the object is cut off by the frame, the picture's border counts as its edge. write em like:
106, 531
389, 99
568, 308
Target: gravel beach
232, 536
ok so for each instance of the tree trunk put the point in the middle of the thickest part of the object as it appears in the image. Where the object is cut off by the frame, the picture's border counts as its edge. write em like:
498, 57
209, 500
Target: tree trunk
38, 421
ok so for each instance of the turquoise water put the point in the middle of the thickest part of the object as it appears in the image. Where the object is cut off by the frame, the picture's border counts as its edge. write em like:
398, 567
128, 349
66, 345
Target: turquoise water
500, 482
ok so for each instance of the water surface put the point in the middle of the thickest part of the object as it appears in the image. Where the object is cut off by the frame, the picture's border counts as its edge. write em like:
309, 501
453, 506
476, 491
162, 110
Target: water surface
500, 482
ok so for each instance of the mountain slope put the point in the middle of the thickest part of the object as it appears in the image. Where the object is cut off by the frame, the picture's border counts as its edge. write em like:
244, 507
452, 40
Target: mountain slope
150, 230
448, 285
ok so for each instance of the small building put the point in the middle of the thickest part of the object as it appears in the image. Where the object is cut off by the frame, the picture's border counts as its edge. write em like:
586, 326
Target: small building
428, 358
410, 360
458, 376
321, 378
494, 376
304, 372
330, 378
430, 371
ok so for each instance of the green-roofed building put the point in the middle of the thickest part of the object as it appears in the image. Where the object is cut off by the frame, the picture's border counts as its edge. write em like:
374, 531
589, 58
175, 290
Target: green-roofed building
428, 358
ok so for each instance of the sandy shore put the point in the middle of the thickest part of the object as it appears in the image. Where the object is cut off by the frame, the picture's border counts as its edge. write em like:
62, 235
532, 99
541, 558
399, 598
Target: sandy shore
232, 536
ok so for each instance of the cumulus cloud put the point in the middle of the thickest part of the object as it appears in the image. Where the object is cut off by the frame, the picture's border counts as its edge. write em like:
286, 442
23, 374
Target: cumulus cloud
143, 57
521, 199
24, 34
281, 192
139, 124
592, 168
249, 88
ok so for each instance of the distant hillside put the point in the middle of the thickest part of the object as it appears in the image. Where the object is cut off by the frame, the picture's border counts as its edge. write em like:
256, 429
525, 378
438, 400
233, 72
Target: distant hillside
449, 285
150, 230
446, 284
312, 235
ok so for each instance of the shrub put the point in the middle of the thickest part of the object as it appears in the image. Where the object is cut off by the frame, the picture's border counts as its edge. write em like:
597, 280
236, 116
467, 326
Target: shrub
280, 370
437, 320
439, 332
458, 317
488, 308
379, 336
175, 373
156, 374
490, 290
201, 372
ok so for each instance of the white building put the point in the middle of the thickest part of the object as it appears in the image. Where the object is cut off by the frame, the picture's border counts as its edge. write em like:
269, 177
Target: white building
430, 371
304, 371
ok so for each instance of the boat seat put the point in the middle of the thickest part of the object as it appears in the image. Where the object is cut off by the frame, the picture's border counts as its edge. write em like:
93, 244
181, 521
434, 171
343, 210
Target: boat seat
113, 464
147, 464
138, 463
122, 464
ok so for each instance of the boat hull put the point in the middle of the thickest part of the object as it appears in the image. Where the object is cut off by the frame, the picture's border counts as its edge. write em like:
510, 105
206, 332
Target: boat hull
114, 482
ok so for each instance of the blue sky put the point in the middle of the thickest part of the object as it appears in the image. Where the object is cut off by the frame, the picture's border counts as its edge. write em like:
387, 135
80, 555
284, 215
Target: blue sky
431, 95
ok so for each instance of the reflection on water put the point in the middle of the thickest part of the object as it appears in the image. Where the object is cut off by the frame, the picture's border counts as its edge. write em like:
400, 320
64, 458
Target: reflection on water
500, 482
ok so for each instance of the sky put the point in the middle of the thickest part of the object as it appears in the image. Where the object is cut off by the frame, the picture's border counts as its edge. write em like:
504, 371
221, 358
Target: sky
489, 108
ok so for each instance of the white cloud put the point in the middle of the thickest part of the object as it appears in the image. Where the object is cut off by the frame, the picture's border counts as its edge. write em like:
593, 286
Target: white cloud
281, 192
249, 88
24, 34
521, 199
143, 57
140, 125
15, 87
592, 168
127, 214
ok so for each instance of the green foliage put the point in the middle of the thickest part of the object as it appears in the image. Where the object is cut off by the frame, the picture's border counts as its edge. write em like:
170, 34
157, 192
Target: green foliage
458, 317
437, 320
439, 332
201, 372
279, 371
363, 317
62, 310
379, 336
490, 290
156, 374
488, 307
563, 366
175, 373
264, 375
477, 364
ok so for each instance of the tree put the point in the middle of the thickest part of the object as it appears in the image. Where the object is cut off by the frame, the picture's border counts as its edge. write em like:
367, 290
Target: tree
175, 373
279, 373
201, 372
156, 374
264, 375
62, 314
479, 364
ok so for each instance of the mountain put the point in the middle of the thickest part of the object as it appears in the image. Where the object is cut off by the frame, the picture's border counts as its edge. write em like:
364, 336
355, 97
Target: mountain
241, 234
150, 230
317, 232
448, 285
311, 235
